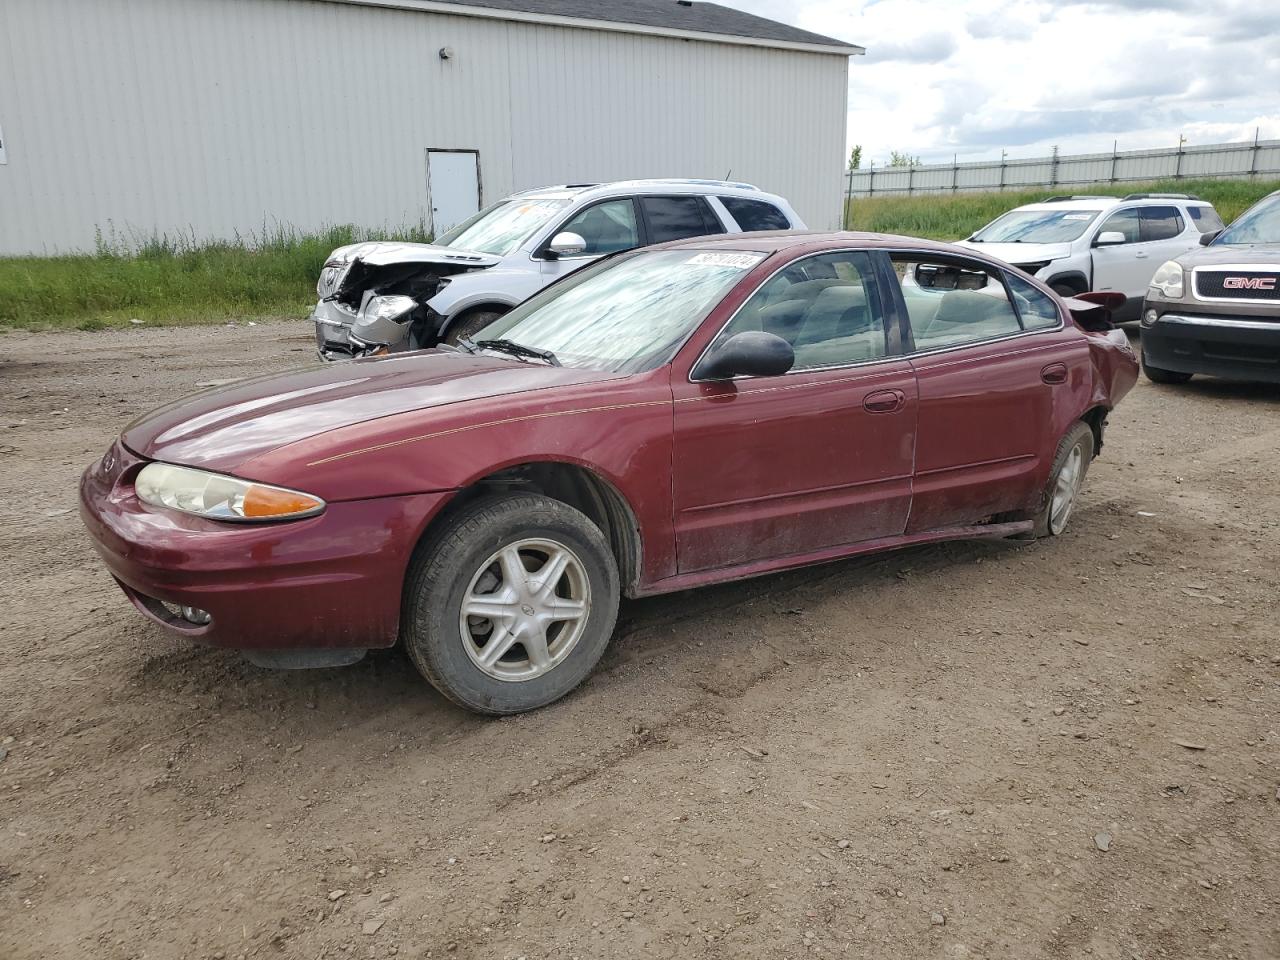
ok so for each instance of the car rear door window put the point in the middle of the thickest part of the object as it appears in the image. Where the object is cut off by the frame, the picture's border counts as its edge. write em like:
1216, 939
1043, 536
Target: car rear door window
951, 303
755, 214
1161, 223
1037, 311
1123, 221
826, 306
675, 218
607, 227
1206, 219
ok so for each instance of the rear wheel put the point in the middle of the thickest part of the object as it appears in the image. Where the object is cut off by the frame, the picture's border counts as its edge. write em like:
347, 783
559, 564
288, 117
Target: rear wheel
469, 325
1156, 375
1070, 466
511, 604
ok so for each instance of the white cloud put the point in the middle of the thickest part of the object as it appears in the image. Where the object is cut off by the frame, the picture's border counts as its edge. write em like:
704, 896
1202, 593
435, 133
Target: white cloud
973, 77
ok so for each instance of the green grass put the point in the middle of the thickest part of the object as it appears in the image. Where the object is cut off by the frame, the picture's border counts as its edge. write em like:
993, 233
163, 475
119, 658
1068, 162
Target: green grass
953, 216
173, 280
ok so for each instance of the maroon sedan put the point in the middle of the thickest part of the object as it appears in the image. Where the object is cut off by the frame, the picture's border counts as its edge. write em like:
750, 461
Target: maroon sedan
666, 418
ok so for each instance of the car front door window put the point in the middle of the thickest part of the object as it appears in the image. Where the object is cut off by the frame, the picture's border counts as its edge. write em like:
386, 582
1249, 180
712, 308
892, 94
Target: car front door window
827, 307
1126, 222
606, 227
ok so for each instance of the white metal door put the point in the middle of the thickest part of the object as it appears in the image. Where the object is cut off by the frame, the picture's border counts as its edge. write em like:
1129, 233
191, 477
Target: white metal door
453, 187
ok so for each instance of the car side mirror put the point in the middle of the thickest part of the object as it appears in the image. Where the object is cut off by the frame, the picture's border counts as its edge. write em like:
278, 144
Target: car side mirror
1109, 238
1208, 238
752, 353
567, 244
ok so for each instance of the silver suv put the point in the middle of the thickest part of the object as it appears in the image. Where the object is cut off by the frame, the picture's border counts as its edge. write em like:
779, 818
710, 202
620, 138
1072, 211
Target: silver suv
1082, 244
377, 297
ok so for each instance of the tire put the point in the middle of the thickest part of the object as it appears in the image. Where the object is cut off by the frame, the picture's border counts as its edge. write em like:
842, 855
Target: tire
470, 324
1156, 375
467, 559
1065, 289
1074, 453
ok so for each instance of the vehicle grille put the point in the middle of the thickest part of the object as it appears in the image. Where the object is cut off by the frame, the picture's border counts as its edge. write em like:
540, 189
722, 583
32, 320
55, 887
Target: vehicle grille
1262, 286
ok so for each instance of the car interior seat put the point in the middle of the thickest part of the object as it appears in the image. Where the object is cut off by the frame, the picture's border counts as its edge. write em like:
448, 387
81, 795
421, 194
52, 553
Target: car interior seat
965, 315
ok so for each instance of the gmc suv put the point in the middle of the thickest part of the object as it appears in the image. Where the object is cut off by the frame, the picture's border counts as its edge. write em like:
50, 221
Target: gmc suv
1217, 310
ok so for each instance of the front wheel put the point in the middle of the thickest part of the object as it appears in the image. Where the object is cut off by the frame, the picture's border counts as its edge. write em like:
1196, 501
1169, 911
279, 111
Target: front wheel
1156, 375
1070, 466
471, 324
511, 604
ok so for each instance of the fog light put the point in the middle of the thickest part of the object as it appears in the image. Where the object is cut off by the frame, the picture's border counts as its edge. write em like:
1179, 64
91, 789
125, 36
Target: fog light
195, 615
190, 614
1149, 318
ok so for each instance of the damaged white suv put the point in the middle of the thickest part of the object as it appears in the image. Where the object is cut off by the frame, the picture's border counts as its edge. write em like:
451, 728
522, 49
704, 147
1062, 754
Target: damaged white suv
377, 297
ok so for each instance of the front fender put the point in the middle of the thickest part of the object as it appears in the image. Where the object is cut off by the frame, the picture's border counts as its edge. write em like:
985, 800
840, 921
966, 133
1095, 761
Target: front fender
504, 288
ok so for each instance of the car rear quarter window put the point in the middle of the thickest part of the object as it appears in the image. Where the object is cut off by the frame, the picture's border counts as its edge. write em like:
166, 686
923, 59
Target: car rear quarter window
755, 214
951, 302
1206, 219
1161, 223
675, 218
1037, 311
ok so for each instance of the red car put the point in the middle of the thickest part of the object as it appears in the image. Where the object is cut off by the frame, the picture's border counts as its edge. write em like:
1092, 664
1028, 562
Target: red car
670, 417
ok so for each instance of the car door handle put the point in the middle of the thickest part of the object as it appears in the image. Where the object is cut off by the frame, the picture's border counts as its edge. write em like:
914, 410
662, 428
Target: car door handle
1140, 255
884, 401
1054, 373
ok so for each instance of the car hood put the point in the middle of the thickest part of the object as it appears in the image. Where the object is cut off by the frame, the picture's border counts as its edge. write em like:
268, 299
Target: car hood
1020, 252
1259, 253
223, 428
380, 253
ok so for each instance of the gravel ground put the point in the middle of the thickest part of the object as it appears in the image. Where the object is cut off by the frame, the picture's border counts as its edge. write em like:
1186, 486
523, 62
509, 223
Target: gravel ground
918, 755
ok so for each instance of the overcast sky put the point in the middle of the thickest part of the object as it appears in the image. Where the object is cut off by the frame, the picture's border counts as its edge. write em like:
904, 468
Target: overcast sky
973, 77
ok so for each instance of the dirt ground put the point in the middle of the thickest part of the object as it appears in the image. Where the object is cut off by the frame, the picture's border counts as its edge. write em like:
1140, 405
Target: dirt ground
914, 756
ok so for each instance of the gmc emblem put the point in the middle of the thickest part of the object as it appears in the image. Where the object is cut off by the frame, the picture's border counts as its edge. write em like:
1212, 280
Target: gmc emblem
1249, 283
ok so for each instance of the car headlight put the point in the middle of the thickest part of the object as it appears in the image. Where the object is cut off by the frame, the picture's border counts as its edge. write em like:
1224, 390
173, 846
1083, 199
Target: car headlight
331, 276
1168, 280
220, 497
393, 308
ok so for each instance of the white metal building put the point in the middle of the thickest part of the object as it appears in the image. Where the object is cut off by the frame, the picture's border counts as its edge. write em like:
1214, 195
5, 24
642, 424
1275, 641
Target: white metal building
219, 117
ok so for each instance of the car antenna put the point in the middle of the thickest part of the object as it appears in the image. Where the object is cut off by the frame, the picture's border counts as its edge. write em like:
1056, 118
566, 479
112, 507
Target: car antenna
729, 174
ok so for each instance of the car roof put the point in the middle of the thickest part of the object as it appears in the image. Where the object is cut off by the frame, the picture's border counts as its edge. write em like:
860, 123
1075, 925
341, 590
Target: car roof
1108, 203
659, 185
773, 241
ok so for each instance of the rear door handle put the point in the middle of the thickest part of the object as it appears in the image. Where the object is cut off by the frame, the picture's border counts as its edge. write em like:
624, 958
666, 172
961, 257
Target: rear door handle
1054, 373
884, 401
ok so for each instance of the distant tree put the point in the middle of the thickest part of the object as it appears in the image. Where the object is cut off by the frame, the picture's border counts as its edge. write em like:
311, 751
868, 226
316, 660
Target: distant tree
897, 159
855, 157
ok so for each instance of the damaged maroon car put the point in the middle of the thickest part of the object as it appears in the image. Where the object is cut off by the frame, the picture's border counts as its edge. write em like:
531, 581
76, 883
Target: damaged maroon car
666, 418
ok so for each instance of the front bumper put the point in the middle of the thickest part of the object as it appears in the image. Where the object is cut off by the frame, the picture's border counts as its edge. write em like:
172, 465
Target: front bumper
333, 332
1234, 347
332, 581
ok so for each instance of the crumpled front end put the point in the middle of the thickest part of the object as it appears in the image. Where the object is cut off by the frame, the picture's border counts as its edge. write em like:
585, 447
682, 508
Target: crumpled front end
373, 297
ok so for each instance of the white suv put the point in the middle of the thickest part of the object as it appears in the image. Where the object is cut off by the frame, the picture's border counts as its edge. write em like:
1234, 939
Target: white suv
382, 296
1078, 244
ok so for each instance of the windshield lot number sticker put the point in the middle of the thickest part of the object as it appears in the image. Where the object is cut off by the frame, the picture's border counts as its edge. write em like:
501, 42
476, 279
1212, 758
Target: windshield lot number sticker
743, 261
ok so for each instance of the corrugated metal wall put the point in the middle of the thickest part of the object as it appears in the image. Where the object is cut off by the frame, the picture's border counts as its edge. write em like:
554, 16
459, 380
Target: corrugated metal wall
220, 117
1226, 160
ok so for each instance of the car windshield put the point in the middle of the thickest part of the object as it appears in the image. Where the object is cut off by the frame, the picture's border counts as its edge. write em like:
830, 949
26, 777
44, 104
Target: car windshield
624, 315
1259, 224
502, 227
1037, 226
